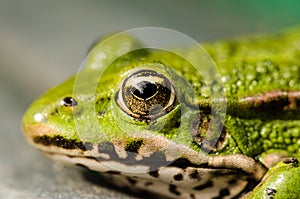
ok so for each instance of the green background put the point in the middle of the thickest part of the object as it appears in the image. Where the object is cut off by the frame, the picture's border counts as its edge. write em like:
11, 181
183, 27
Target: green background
43, 42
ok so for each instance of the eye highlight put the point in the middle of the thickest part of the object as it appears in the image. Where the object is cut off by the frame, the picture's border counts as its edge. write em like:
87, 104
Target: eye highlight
146, 94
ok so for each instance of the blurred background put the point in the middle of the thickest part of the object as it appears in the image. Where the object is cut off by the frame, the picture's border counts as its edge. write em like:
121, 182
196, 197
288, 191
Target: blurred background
44, 42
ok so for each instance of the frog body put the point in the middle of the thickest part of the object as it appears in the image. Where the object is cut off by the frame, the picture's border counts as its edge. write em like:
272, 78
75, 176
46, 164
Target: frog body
148, 122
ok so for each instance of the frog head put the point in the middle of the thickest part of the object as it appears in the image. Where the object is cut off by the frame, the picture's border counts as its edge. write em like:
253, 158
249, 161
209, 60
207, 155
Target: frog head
148, 112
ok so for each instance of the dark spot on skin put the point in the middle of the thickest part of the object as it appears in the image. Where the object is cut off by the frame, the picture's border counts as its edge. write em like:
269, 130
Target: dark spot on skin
69, 101
82, 166
173, 189
108, 148
183, 163
134, 146
101, 105
224, 192
192, 196
204, 186
54, 112
59, 141
194, 174
87, 157
154, 161
177, 124
178, 177
270, 192
113, 172
232, 182
147, 184
101, 113
154, 174
88, 146
293, 161
101, 100
131, 181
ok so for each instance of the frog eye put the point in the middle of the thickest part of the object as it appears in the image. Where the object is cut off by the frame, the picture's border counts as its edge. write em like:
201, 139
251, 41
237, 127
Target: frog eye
146, 94
69, 102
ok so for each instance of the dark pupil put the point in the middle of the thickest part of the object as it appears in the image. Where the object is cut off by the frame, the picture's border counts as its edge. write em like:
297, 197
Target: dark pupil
144, 89
70, 101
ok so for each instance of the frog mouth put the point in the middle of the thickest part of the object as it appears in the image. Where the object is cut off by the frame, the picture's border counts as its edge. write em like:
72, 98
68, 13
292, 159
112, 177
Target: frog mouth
150, 151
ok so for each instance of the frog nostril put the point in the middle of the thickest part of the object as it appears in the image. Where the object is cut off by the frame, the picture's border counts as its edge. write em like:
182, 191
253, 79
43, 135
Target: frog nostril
69, 101
68, 106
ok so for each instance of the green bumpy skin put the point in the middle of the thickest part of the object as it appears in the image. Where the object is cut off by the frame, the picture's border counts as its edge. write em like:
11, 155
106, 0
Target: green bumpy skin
281, 181
261, 77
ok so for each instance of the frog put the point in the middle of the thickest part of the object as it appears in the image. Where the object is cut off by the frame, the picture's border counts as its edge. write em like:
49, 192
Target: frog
150, 121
